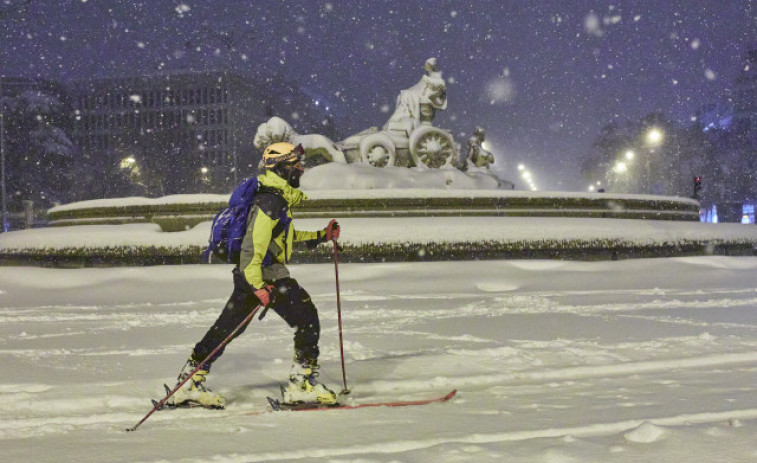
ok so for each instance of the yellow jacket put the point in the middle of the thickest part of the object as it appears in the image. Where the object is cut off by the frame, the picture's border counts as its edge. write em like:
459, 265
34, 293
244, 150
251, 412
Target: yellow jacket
267, 243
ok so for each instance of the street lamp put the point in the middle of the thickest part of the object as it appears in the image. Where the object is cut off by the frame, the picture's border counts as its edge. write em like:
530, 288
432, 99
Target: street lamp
654, 136
620, 167
653, 139
128, 162
2, 158
526, 175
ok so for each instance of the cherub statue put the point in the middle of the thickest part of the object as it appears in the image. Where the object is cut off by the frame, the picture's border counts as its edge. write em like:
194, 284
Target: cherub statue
477, 156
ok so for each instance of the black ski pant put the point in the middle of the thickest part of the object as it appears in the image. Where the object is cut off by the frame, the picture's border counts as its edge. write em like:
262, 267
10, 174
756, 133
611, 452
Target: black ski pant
289, 300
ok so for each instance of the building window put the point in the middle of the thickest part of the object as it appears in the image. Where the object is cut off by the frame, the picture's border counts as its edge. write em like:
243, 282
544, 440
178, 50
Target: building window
747, 215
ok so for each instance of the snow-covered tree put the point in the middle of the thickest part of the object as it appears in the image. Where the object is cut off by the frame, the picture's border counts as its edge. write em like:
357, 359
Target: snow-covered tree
40, 158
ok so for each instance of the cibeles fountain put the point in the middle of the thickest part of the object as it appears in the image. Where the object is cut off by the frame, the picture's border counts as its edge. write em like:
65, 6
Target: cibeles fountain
408, 151
407, 168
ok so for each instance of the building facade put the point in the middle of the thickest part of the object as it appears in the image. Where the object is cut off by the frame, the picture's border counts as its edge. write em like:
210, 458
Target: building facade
210, 116
745, 94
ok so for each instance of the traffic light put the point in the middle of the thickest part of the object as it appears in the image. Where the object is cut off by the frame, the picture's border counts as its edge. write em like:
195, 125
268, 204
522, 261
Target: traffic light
697, 186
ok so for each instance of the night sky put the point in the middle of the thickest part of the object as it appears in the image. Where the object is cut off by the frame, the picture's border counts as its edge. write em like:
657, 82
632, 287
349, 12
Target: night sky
541, 77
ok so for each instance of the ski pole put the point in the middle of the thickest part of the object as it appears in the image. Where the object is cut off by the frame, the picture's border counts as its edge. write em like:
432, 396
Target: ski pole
178, 386
339, 317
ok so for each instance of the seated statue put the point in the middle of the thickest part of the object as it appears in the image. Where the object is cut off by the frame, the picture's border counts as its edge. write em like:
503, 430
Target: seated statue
418, 104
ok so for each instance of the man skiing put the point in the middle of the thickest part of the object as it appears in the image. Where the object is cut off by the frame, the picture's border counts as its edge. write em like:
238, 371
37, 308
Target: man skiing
262, 278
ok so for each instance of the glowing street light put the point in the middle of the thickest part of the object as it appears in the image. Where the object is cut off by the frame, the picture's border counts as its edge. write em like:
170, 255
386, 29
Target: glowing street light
525, 174
654, 136
629, 155
653, 139
620, 167
128, 162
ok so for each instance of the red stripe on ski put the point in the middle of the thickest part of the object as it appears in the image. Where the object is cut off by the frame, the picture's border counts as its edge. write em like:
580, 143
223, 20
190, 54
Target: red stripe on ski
375, 404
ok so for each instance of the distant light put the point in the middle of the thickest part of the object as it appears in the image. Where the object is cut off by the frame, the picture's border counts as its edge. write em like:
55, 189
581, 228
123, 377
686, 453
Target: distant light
630, 155
521, 167
127, 162
620, 167
591, 187
204, 170
654, 136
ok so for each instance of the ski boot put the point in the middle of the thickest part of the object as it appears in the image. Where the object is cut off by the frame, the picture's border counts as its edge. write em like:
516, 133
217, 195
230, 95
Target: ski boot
304, 388
194, 393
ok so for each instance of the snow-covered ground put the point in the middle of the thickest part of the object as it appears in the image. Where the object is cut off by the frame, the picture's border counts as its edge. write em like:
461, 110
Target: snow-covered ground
555, 362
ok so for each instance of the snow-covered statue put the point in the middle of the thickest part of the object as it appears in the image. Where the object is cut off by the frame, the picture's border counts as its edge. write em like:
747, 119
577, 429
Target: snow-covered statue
408, 138
477, 156
318, 148
418, 104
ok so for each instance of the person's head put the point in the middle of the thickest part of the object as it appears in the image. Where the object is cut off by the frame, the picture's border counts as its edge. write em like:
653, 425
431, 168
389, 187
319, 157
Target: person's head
285, 160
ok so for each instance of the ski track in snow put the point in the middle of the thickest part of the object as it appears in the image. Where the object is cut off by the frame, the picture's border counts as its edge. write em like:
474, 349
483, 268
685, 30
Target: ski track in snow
639, 362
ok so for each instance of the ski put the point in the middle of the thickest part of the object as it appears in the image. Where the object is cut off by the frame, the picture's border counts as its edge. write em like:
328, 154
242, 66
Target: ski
277, 405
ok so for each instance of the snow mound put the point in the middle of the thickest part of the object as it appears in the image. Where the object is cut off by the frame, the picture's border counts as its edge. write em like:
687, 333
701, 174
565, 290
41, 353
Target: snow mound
646, 433
557, 457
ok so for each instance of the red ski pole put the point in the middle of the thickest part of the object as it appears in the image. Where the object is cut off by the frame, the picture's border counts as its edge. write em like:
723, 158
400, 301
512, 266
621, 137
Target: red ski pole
178, 386
339, 317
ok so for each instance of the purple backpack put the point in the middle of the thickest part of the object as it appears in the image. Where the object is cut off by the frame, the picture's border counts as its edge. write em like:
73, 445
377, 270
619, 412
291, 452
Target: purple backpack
230, 225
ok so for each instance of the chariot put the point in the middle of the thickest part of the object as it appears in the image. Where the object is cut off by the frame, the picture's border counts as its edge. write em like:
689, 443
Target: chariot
425, 145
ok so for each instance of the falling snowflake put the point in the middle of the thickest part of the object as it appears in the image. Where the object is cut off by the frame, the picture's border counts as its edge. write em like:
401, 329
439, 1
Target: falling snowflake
181, 9
500, 90
593, 25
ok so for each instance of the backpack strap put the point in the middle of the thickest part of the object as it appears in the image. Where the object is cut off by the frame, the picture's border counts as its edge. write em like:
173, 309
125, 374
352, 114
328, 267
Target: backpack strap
271, 202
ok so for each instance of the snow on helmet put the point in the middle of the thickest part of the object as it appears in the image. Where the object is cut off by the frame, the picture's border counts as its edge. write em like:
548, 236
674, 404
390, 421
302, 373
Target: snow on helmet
281, 152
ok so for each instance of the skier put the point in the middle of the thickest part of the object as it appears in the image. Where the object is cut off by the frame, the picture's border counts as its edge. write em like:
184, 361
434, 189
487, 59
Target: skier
262, 278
